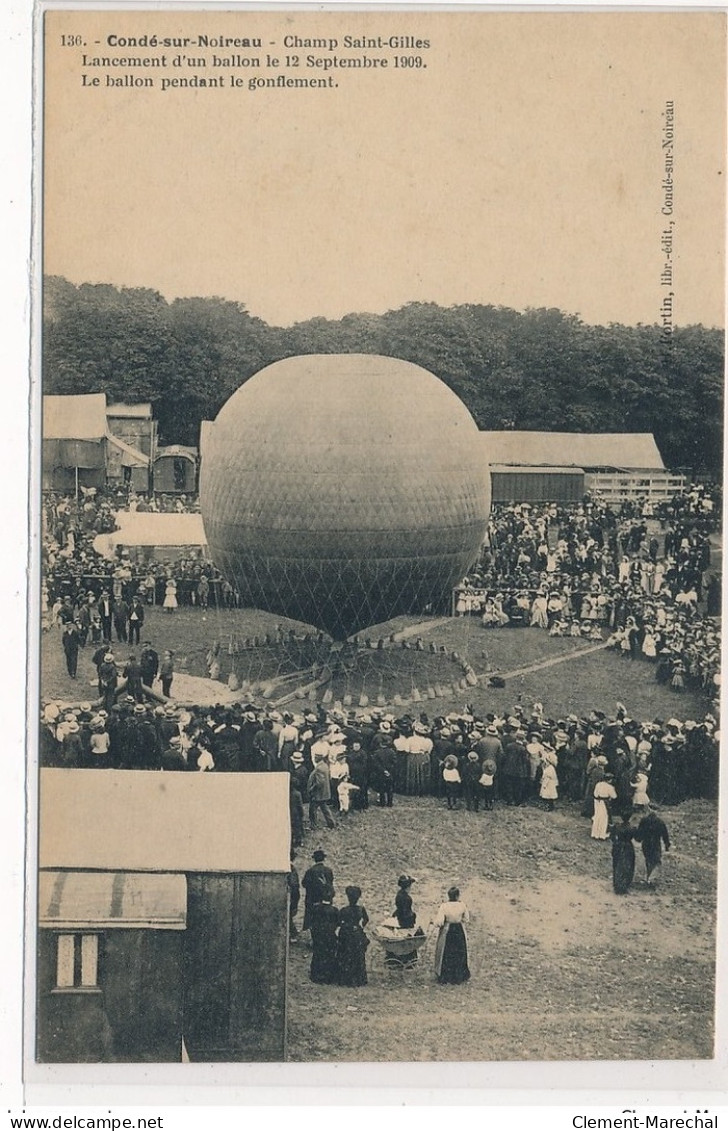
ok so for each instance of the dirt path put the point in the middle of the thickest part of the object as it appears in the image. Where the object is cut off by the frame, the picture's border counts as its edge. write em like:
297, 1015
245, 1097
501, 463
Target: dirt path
550, 663
418, 629
562, 968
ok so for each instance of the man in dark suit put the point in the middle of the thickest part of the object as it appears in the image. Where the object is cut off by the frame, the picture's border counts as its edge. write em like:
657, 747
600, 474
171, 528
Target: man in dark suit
149, 663
71, 643
318, 884
514, 766
121, 619
133, 675
136, 620
106, 612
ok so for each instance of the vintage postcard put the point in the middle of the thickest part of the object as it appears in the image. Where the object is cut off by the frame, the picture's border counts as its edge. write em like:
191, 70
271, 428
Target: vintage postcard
380, 429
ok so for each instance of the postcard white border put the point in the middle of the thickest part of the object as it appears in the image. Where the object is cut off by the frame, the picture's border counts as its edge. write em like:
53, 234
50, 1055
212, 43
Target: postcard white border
621, 1084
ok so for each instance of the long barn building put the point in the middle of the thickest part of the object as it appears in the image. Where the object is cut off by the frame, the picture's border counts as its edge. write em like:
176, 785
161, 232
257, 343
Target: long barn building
562, 466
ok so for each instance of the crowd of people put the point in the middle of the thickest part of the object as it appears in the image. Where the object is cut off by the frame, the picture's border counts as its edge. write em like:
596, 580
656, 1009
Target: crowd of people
74, 570
341, 762
587, 570
629, 576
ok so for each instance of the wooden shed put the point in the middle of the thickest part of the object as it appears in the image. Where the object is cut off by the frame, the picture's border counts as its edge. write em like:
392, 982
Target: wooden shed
126, 465
110, 954
207, 968
511, 484
134, 424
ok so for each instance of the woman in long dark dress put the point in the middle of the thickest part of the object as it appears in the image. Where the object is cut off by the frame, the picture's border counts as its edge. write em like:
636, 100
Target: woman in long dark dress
652, 834
325, 959
353, 942
451, 952
623, 858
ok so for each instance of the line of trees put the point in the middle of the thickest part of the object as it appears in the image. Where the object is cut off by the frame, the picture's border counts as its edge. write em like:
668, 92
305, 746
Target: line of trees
540, 370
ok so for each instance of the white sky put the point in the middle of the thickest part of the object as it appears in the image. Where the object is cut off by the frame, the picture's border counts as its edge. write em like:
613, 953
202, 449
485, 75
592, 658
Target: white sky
523, 167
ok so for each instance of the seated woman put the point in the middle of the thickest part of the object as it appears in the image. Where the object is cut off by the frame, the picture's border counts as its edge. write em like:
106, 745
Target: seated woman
403, 921
403, 906
490, 617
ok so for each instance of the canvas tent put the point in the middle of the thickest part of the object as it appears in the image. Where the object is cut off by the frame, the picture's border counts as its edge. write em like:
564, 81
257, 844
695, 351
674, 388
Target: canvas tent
148, 535
74, 442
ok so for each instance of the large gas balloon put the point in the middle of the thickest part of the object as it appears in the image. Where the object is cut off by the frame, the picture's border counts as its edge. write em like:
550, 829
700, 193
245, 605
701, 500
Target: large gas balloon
343, 489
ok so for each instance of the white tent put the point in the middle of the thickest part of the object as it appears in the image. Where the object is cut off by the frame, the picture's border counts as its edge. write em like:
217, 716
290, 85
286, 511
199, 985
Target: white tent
153, 531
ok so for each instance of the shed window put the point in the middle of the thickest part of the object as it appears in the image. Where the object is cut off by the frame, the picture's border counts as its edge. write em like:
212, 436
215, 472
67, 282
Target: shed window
77, 964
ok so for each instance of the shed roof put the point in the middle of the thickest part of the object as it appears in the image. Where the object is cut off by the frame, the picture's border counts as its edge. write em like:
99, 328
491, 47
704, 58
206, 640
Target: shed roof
72, 900
152, 821
130, 411
176, 450
75, 418
628, 450
519, 469
145, 528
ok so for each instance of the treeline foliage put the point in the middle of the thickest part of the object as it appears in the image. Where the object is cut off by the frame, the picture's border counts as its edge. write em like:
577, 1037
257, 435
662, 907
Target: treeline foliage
541, 370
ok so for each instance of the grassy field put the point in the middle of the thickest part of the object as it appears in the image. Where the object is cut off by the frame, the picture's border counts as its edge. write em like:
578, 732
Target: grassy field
585, 680
561, 967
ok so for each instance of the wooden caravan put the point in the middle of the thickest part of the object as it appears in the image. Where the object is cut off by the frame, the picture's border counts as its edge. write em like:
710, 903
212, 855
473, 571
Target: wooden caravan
110, 959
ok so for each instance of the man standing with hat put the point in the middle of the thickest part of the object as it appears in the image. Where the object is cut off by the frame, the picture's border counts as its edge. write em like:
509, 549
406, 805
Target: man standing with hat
149, 663
319, 793
121, 620
318, 884
297, 769
71, 643
515, 765
382, 765
108, 680
136, 619
132, 673
265, 744
106, 611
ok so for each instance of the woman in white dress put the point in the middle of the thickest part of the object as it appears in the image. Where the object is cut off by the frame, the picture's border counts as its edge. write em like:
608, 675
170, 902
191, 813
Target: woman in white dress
451, 951
170, 596
604, 792
490, 620
501, 615
649, 646
549, 788
539, 611
640, 799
